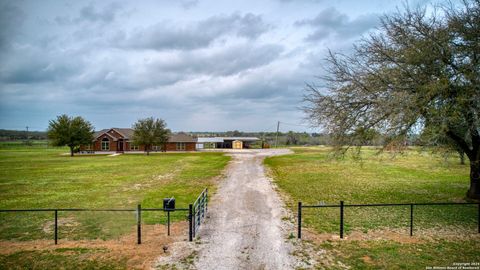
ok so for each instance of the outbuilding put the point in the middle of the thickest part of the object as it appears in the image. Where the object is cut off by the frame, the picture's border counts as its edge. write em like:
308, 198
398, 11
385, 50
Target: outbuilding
226, 142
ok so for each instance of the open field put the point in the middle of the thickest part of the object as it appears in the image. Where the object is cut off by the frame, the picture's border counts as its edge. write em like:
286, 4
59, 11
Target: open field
313, 176
41, 177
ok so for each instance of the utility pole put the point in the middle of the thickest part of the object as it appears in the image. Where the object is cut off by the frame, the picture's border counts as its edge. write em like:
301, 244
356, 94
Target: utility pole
276, 136
27, 135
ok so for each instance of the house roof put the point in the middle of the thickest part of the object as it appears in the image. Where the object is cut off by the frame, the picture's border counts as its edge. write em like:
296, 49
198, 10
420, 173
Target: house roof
245, 139
209, 140
127, 133
181, 137
223, 139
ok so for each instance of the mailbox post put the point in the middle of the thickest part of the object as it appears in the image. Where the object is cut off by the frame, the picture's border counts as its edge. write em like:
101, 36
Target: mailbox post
168, 206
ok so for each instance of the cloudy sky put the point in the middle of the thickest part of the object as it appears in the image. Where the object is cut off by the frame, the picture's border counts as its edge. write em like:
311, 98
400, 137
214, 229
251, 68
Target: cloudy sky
200, 65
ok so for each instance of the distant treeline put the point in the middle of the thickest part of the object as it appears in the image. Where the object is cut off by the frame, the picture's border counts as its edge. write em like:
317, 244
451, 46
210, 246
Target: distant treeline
16, 135
284, 138
302, 138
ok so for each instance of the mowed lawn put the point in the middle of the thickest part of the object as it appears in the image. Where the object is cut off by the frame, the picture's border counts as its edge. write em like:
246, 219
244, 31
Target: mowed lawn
312, 175
41, 177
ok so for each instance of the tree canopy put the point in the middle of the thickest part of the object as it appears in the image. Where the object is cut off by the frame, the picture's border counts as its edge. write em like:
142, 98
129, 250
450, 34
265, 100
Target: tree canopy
149, 132
70, 131
418, 73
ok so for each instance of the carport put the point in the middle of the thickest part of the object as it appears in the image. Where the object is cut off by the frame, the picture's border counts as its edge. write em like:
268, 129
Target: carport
225, 142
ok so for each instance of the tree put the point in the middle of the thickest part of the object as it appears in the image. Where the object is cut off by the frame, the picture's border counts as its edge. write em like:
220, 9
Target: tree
150, 132
418, 72
70, 131
292, 138
441, 142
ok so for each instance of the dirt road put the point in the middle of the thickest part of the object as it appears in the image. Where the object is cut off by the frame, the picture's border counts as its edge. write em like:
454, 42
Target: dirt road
245, 228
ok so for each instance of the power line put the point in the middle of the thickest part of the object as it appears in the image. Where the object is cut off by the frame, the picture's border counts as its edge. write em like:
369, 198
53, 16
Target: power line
298, 125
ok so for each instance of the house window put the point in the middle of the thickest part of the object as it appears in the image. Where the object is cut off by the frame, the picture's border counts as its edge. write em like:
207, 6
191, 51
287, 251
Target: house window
133, 147
155, 148
105, 144
181, 146
88, 147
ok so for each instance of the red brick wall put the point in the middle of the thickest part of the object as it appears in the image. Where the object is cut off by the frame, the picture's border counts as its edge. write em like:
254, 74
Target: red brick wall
173, 147
97, 145
191, 146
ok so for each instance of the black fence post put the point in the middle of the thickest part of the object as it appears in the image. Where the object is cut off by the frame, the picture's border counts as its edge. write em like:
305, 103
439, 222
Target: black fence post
190, 222
479, 218
139, 224
168, 223
56, 227
411, 219
194, 219
299, 234
341, 219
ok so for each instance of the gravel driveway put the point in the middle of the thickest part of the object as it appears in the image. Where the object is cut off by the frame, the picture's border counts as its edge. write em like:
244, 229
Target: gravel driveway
245, 228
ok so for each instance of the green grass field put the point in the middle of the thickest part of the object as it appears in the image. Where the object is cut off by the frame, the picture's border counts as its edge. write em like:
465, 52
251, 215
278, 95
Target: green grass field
61, 258
41, 177
312, 175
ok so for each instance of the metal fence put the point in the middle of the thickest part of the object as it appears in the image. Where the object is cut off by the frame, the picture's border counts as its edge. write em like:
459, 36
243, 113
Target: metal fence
342, 206
199, 210
196, 214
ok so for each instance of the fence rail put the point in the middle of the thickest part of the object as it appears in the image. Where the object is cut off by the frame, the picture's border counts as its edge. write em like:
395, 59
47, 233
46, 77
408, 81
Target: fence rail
199, 209
342, 206
196, 214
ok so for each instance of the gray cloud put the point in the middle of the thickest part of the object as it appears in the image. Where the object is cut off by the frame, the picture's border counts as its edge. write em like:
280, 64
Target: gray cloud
11, 20
92, 14
188, 4
222, 62
192, 64
330, 22
36, 65
165, 35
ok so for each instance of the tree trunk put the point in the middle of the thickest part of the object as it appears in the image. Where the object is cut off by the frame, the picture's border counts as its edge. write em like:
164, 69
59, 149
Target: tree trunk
71, 151
462, 157
474, 191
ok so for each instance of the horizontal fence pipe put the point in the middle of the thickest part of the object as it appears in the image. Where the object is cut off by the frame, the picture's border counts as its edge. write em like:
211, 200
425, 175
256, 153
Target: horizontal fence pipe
386, 204
320, 206
447, 203
68, 210
164, 210
86, 210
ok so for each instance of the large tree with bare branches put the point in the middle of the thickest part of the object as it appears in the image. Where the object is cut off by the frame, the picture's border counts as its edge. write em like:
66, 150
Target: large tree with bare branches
419, 73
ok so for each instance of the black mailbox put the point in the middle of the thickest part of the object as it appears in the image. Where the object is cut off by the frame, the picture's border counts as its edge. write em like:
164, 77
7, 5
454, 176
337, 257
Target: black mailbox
169, 203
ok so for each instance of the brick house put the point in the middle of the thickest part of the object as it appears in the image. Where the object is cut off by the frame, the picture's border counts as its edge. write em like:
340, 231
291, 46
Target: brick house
121, 140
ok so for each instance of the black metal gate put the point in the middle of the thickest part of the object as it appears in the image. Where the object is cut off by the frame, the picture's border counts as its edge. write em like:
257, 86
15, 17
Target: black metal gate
198, 212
